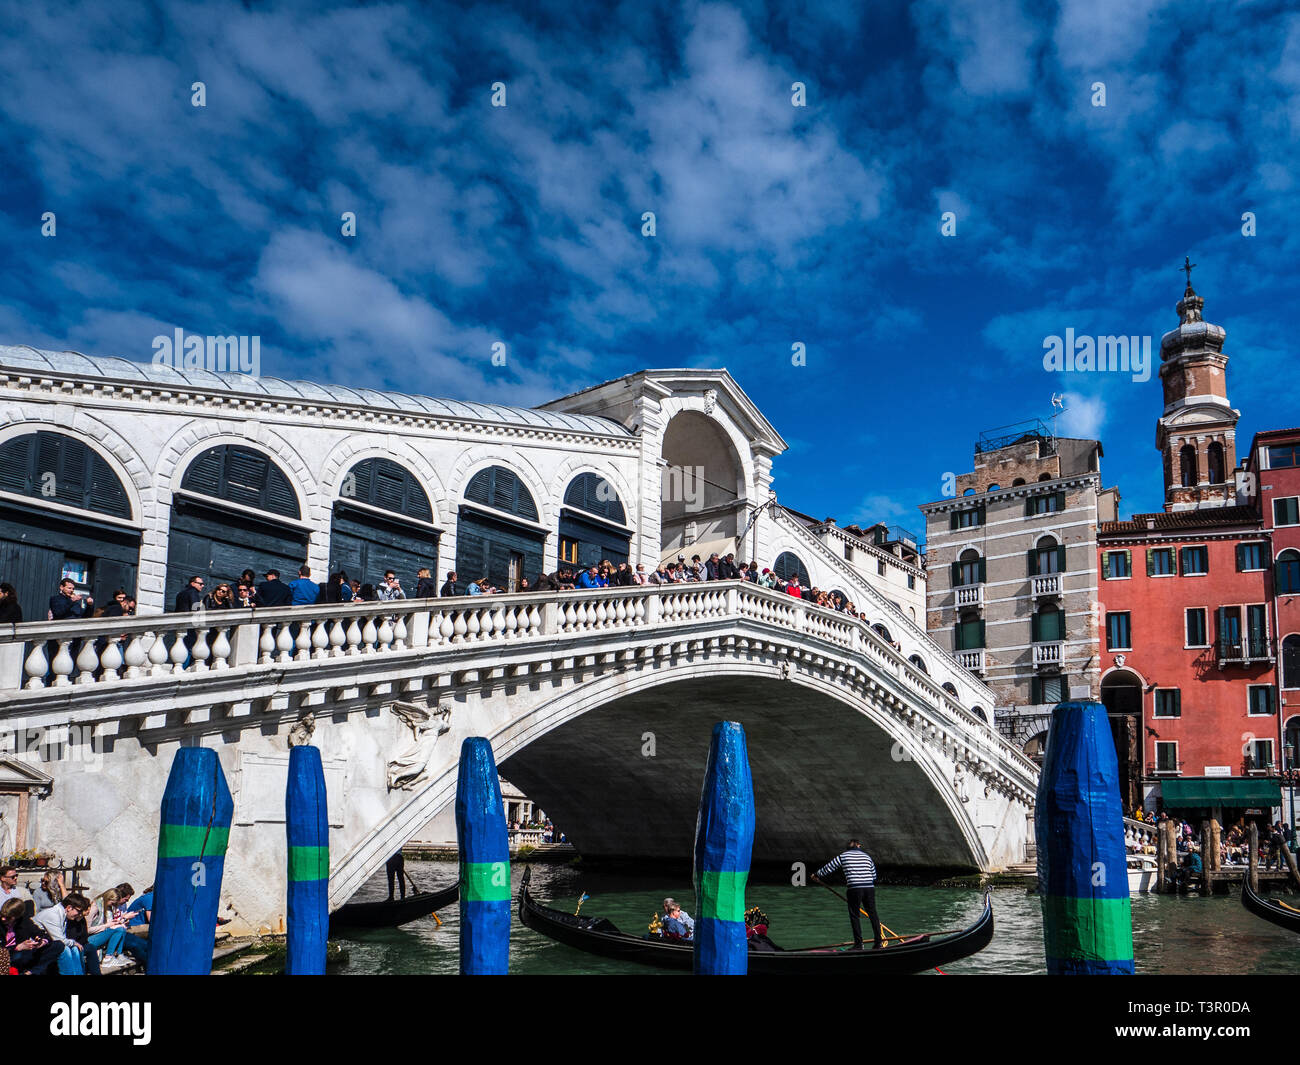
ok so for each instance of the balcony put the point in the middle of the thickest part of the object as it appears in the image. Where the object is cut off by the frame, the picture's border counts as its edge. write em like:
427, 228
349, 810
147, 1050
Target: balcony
969, 595
1246, 651
1048, 584
972, 660
1049, 655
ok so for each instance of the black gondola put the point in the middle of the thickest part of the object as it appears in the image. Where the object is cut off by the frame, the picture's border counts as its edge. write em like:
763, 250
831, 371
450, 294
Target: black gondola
597, 935
1279, 913
388, 913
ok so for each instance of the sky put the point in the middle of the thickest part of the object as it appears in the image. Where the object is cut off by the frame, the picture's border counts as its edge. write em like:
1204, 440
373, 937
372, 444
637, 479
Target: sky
783, 217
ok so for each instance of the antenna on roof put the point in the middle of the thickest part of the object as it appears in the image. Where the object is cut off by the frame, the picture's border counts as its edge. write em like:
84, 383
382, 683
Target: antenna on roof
1058, 407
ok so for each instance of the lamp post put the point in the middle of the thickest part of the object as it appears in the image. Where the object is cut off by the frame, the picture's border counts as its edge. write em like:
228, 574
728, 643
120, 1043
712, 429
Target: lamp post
1290, 777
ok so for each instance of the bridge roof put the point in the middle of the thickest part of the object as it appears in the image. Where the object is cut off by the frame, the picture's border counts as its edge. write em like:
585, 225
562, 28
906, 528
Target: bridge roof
127, 371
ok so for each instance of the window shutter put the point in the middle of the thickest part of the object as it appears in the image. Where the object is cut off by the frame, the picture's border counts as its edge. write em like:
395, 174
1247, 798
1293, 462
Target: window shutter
952, 520
1128, 562
1178, 702
979, 520
980, 629
1060, 501
1035, 689
983, 572
1241, 557
1033, 562
1105, 565
1060, 558
956, 574
1036, 627
1181, 555
1151, 565
1029, 506
1175, 563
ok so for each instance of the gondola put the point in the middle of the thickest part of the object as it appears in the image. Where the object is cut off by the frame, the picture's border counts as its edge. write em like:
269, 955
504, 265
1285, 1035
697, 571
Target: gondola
388, 913
598, 935
1270, 909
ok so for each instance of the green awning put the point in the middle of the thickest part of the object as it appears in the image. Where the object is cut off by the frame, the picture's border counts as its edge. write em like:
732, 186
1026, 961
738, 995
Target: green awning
1221, 791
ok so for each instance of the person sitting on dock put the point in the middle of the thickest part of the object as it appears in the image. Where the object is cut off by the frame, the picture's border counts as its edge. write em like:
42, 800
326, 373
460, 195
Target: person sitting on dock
860, 876
31, 951
677, 922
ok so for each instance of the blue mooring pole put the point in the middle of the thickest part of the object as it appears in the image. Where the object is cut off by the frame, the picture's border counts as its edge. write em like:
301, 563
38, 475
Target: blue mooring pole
1082, 867
724, 843
484, 863
192, 837
308, 836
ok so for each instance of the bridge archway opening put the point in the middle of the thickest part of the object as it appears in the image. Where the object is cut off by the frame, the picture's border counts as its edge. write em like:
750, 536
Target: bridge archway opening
593, 776
87, 536
1036, 747
382, 520
1121, 693
236, 509
593, 523
702, 489
498, 535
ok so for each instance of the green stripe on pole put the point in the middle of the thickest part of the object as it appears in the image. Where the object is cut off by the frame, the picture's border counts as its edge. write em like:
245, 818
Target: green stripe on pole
186, 841
476, 881
722, 895
1088, 928
309, 863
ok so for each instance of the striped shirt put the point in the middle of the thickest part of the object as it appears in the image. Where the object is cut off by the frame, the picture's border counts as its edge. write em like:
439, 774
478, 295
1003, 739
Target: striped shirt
859, 869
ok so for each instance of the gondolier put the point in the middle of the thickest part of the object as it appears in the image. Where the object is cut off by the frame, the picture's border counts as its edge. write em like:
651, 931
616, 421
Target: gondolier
860, 876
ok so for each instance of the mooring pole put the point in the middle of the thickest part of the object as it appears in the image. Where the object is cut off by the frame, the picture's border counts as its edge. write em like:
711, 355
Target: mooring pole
192, 837
724, 843
1079, 824
307, 831
484, 863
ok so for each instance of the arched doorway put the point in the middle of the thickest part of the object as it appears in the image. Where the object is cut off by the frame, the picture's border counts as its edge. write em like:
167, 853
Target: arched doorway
87, 536
382, 520
593, 523
1121, 692
236, 509
497, 535
1036, 747
702, 492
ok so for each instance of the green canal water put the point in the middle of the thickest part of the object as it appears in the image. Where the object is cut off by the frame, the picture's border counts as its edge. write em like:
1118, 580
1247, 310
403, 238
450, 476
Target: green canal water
1171, 935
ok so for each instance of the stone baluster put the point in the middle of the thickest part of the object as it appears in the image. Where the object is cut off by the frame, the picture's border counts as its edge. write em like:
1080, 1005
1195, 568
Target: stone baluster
320, 639
266, 644
338, 636
369, 634
179, 652
384, 635
472, 626
284, 644
514, 627
534, 619
135, 656
400, 632
302, 642
158, 656
199, 652
110, 662
221, 649
36, 665
87, 662
354, 637
62, 664
460, 627
498, 622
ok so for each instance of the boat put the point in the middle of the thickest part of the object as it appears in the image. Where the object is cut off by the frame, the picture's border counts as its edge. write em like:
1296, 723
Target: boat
1141, 874
1274, 910
389, 913
599, 935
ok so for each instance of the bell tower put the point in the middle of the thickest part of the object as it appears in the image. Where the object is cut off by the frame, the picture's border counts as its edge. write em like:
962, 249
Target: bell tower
1197, 432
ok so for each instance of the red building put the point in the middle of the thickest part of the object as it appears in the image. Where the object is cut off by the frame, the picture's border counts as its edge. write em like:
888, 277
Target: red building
1186, 615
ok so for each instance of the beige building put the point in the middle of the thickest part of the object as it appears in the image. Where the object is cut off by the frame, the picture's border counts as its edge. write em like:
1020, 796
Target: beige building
1012, 564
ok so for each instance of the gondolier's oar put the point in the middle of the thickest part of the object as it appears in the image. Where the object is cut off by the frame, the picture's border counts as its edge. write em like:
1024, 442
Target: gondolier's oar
884, 927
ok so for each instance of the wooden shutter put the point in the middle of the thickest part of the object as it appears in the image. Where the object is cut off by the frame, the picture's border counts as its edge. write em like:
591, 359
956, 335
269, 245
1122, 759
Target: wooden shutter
1060, 501
980, 630
956, 574
983, 572
952, 520
979, 514
1033, 562
1060, 558
1105, 565
1036, 626
1151, 564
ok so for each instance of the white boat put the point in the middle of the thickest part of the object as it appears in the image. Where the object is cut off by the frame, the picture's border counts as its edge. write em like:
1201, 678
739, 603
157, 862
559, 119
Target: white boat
1141, 874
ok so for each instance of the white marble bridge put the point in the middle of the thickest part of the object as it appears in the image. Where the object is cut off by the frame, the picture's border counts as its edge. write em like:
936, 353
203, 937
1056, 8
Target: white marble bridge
599, 706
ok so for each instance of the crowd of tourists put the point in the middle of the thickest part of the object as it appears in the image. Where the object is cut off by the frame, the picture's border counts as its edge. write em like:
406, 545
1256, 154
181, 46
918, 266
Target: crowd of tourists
49, 929
1234, 843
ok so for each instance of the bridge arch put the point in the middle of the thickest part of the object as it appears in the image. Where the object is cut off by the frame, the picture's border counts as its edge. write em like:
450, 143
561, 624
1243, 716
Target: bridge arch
704, 484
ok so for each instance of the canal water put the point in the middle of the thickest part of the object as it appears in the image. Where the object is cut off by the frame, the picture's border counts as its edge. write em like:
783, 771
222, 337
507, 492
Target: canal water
1171, 934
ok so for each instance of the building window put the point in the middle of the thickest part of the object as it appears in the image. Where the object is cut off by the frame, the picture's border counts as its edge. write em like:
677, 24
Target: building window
1259, 755
1214, 462
968, 519
1048, 625
1257, 630
1250, 556
968, 569
1196, 627
1261, 700
911, 580
1166, 756
1283, 456
1286, 575
970, 634
1118, 634
1160, 562
1194, 561
569, 551
1048, 689
1291, 661
1117, 565
848, 552
1169, 702
880, 567
1187, 465
919, 662
1046, 558
1048, 504
1286, 511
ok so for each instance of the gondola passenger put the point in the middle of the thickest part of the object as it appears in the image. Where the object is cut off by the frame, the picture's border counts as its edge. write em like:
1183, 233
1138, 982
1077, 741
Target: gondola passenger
677, 922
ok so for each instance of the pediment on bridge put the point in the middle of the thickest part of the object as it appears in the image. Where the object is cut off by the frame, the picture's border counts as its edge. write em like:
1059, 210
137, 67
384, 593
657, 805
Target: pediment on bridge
625, 399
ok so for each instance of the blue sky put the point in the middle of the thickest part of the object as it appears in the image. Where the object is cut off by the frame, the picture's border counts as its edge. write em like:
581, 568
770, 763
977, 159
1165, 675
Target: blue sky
776, 224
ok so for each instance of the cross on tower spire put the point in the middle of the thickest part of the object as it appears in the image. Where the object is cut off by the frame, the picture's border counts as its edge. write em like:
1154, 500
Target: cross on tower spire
1188, 266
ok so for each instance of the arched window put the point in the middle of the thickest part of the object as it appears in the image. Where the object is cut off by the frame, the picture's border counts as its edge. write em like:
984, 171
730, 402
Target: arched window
969, 492
502, 490
242, 476
1291, 661
382, 483
1286, 574
381, 521
1046, 556
1187, 466
1291, 743
593, 523
969, 568
978, 711
919, 662
595, 495
883, 632
61, 469
994, 487
788, 565
1044, 476
1214, 462
1017, 482
950, 688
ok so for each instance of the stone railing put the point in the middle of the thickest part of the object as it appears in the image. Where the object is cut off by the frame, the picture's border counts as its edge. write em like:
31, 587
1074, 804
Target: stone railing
1049, 654
1139, 835
969, 595
1048, 584
52, 660
972, 660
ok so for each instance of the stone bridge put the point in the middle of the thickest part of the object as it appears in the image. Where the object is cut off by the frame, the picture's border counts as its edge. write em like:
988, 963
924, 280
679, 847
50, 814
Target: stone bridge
598, 704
